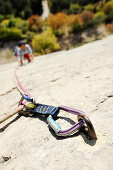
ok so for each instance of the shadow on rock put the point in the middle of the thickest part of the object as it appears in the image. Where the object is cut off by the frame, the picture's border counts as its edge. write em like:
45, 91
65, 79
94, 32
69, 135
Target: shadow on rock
7, 125
86, 137
82, 132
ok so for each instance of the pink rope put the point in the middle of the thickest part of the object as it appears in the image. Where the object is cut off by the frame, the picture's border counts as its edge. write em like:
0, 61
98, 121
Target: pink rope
21, 86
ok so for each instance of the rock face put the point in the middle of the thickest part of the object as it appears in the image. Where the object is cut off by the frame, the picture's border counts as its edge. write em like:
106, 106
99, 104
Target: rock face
81, 78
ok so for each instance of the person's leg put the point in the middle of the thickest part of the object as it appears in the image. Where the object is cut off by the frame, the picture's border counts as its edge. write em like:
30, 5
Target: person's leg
20, 62
27, 57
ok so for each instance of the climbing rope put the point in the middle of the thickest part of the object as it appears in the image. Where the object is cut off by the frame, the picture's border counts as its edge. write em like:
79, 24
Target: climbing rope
28, 106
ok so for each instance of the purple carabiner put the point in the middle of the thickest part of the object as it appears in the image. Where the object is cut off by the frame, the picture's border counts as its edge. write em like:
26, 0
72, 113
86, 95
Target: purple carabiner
82, 120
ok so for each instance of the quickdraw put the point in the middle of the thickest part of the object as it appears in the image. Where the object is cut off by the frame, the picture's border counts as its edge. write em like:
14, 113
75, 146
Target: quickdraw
28, 106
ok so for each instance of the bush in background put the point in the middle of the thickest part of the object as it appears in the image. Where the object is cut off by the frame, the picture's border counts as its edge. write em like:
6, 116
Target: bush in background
108, 10
89, 7
74, 8
4, 23
19, 23
99, 6
74, 23
110, 28
20, 8
35, 23
63, 5
45, 42
58, 5
99, 17
57, 22
87, 18
29, 36
1, 17
8, 34
8, 16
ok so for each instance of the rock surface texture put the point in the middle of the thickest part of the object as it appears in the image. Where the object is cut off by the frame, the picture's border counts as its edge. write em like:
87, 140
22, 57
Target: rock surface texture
81, 78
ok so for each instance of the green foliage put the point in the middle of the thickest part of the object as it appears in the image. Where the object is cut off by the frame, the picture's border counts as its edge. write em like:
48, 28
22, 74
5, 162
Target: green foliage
60, 23
8, 16
74, 8
19, 23
85, 2
5, 7
100, 17
29, 36
64, 5
74, 23
89, 7
1, 17
108, 10
8, 34
27, 12
58, 5
23, 9
45, 42
4, 23
36, 6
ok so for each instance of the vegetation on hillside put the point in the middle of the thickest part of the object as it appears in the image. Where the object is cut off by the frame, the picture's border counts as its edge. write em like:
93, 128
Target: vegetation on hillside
22, 20
23, 9
70, 6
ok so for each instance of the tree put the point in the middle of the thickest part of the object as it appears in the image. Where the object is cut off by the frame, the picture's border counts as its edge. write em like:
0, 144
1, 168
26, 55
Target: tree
36, 6
60, 5
21, 8
5, 7
8, 7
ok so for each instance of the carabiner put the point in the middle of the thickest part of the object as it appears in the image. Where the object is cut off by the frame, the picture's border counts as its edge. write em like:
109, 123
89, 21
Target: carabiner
82, 120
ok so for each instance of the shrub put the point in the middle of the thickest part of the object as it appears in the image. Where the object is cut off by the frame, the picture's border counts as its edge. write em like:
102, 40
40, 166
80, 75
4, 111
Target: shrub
58, 5
99, 6
8, 16
74, 23
19, 23
29, 35
1, 17
87, 18
74, 8
45, 42
110, 28
26, 12
61, 5
8, 34
57, 22
4, 23
35, 23
108, 10
89, 7
100, 17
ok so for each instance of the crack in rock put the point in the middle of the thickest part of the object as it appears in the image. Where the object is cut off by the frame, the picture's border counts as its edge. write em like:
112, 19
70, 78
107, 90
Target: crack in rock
55, 79
7, 92
15, 104
102, 101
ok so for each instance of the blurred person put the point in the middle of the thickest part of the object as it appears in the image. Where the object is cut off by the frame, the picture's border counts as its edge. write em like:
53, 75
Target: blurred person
23, 50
